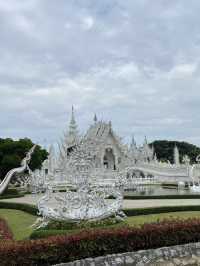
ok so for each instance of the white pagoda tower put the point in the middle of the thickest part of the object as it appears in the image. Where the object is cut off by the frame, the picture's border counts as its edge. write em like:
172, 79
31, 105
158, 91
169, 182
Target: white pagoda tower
176, 156
70, 139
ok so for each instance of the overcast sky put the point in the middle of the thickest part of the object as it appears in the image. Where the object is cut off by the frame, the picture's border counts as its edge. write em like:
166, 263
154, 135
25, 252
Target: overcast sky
135, 62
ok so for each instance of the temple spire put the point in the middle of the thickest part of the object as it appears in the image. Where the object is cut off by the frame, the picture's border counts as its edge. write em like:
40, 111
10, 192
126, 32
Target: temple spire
71, 138
145, 140
95, 118
72, 125
133, 143
176, 155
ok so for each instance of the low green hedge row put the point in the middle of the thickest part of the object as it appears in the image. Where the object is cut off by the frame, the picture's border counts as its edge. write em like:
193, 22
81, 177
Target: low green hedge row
37, 234
11, 196
165, 209
11, 191
66, 228
32, 209
141, 197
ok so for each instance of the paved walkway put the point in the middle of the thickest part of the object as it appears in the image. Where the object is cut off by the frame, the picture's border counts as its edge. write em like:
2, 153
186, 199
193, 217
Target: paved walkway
128, 204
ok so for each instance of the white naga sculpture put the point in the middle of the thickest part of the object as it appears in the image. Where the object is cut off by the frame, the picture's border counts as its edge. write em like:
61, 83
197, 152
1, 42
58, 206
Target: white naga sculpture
24, 165
83, 200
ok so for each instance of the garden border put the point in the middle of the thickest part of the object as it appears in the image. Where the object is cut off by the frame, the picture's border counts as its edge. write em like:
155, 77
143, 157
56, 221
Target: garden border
98, 242
141, 197
32, 209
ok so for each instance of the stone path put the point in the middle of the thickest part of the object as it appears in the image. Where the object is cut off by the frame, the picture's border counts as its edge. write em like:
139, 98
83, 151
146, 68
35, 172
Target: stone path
32, 199
183, 255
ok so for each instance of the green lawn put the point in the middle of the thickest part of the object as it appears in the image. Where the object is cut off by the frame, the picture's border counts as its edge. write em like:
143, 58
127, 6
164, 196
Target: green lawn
20, 222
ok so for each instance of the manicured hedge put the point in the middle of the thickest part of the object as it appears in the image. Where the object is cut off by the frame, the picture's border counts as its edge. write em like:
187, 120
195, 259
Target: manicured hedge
5, 232
11, 191
165, 209
162, 197
37, 234
12, 196
66, 228
95, 243
32, 209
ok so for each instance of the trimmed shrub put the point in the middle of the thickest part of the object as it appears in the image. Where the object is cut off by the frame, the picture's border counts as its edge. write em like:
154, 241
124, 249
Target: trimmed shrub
130, 197
100, 242
10, 191
66, 228
32, 209
5, 232
165, 209
63, 225
37, 234
12, 196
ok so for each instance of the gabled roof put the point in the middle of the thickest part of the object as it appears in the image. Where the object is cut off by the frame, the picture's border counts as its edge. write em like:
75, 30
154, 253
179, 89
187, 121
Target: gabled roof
100, 130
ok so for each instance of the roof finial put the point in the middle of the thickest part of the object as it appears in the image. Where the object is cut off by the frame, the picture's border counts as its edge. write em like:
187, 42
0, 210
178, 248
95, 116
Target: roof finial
133, 142
73, 130
72, 115
95, 118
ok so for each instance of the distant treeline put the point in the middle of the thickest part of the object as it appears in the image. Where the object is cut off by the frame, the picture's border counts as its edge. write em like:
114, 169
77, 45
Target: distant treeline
164, 150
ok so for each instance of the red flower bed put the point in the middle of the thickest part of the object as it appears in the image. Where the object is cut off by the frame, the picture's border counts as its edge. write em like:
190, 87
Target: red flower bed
100, 242
5, 232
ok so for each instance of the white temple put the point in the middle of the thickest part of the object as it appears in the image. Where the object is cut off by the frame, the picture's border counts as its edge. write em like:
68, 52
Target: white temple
96, 166
105, 146
109, 156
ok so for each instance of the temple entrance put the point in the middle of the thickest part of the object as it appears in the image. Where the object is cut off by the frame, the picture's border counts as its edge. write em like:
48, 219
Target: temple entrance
109, 159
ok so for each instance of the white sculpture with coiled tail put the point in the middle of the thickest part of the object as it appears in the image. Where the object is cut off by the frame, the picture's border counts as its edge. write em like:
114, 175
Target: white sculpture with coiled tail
83, 201
24, 164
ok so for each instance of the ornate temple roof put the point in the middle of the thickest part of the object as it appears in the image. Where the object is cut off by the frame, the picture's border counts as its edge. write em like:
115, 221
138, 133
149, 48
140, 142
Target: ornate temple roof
98, 130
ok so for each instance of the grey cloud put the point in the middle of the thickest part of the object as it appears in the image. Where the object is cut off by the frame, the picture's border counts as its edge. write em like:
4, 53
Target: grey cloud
133, 62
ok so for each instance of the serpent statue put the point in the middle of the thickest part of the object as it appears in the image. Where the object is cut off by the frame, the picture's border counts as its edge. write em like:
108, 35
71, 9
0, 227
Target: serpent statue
24, 164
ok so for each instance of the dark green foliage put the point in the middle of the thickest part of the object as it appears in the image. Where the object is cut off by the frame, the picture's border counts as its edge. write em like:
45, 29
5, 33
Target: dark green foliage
165, 209
129, 212
197, 196
66, 228
11, 193
164, 150
55, 225
12, 152
19, 206
12, 196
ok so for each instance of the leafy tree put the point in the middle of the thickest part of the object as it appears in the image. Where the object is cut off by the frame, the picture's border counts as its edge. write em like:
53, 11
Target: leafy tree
164, 150
13, 151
